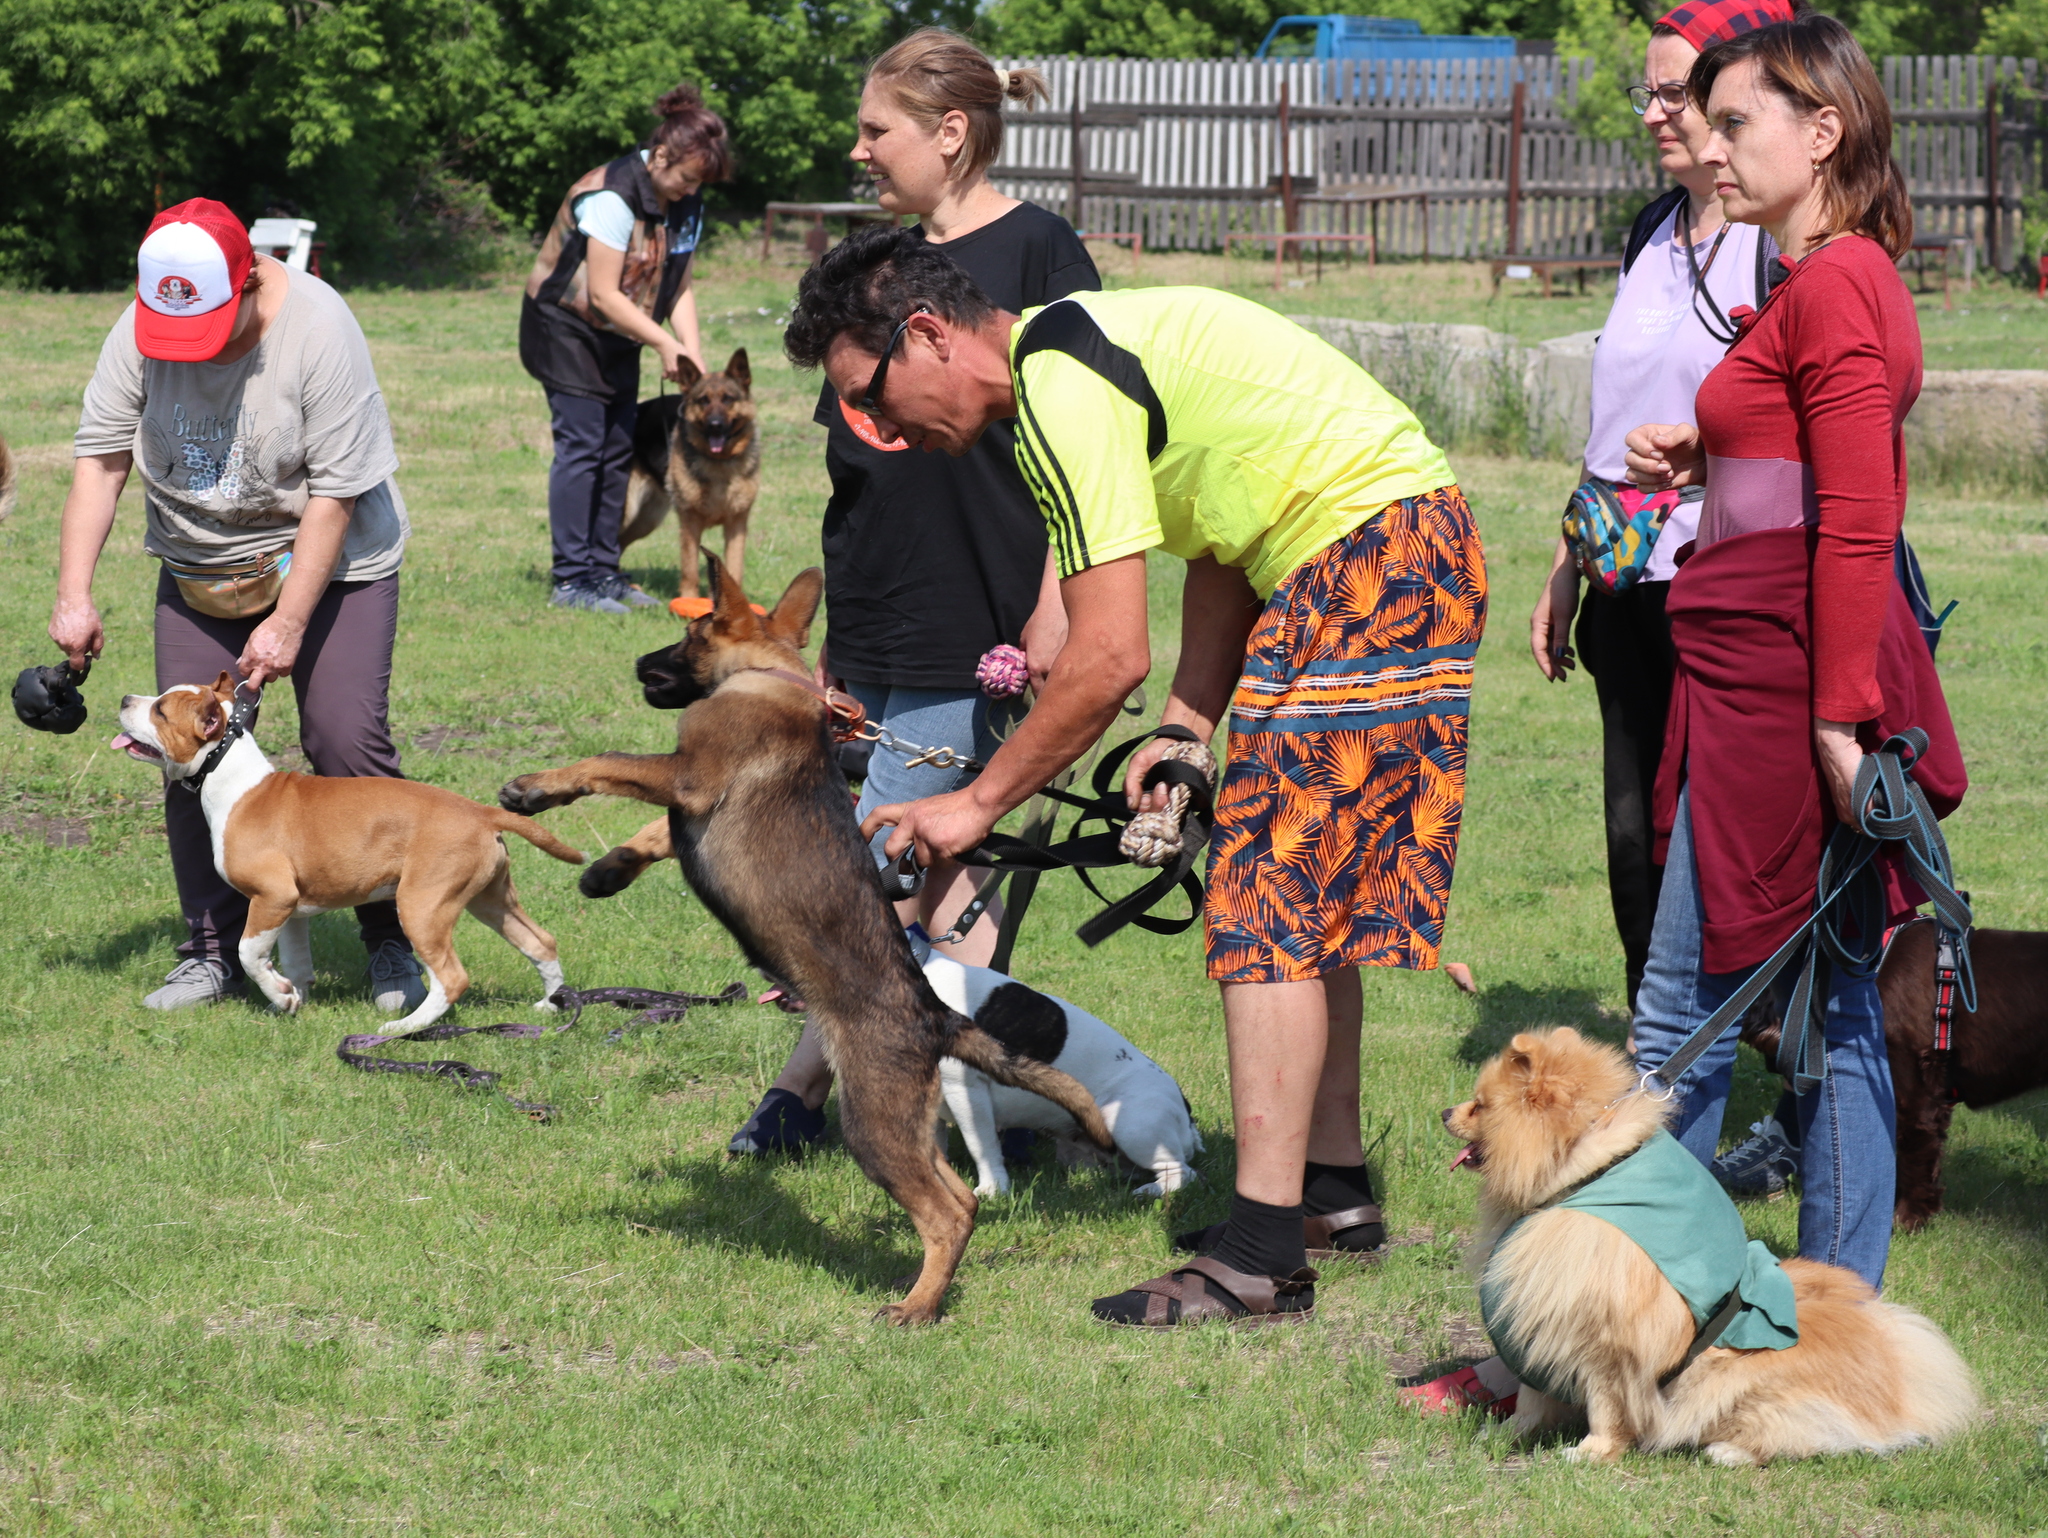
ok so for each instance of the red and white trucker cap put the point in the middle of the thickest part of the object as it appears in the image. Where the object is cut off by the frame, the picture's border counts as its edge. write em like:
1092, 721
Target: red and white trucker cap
189, 274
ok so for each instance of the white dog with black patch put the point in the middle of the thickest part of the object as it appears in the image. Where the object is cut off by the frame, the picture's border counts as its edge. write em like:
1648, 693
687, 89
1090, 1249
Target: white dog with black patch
1141, 1104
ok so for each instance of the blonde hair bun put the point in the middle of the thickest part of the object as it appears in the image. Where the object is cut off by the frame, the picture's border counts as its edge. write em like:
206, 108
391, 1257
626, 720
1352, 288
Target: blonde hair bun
933, 72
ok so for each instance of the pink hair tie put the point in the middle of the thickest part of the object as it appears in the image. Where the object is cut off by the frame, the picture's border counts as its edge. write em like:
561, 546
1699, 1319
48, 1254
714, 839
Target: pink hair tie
1002, 673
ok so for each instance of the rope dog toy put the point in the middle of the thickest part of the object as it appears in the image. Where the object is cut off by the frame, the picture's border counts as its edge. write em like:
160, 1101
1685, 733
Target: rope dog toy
1153, 839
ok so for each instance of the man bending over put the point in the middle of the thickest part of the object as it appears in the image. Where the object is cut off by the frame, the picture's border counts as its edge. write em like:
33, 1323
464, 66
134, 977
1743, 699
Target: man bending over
1334, 599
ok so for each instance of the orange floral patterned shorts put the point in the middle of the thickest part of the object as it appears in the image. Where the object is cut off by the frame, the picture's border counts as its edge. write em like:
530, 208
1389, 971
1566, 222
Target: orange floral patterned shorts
1337, 824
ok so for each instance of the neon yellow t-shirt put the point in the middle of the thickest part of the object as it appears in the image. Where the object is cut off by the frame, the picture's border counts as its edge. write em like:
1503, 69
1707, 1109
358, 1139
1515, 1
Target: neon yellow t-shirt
1206, 425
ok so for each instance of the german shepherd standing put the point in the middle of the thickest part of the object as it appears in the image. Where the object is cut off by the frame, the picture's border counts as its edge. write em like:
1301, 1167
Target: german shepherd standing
764, 828
699, 451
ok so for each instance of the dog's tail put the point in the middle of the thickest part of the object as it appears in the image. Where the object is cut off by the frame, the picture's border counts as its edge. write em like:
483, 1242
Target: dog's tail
977, 1049
534, 834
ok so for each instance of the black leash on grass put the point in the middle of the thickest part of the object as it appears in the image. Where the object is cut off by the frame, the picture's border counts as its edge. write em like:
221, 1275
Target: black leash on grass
656, 1008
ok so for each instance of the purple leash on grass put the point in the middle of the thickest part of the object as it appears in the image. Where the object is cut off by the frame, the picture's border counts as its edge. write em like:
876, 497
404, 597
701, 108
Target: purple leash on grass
656, 1008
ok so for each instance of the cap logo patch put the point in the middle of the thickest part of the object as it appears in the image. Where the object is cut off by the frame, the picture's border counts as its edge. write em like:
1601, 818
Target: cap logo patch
177, 294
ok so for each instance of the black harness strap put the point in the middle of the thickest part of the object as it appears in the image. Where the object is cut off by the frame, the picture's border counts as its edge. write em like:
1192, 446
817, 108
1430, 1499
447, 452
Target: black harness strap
1715, 1327
1890, 808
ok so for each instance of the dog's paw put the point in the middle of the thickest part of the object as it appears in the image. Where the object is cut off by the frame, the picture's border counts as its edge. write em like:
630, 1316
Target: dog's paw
285, 1001
1593, 1450
525, 796
904, 1314
547, 1007
1729, 1456
607, 876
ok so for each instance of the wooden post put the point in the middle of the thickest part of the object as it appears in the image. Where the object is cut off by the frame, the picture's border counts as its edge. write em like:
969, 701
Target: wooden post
1078, 161
1992, 200
1287, 208
1521, 101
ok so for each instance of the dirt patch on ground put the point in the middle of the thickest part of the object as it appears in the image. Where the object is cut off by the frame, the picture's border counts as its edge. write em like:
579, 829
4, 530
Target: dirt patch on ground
57, 832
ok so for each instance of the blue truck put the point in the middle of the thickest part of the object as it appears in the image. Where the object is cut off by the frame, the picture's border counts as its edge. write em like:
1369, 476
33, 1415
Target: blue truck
1372, 37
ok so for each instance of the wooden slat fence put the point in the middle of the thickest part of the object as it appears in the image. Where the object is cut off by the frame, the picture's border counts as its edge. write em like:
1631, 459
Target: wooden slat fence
1189, 151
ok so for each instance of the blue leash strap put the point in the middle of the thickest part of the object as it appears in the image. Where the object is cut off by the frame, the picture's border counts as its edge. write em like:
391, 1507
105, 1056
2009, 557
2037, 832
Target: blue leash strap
1849, 900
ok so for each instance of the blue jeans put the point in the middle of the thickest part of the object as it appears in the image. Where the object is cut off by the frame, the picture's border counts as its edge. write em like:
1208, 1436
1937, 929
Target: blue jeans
1847, 1151
965, 720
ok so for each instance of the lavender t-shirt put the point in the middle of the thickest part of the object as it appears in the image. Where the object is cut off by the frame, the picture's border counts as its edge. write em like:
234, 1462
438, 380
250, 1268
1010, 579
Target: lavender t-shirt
1653, 353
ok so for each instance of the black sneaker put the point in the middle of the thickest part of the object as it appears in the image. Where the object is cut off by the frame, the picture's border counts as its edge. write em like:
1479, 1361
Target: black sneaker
1761, 1165
781, 1123
577, 595
631, 594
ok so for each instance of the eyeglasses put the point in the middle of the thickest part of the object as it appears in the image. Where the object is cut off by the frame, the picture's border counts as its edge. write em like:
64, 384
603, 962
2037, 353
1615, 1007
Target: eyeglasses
1670, 96
871, 398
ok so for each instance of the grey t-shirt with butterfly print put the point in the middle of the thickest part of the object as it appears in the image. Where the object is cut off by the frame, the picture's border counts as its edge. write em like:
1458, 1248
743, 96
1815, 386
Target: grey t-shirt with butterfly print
230, 453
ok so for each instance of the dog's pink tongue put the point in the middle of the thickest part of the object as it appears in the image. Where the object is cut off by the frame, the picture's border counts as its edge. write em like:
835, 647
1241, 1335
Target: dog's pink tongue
1464, 1155
122, 742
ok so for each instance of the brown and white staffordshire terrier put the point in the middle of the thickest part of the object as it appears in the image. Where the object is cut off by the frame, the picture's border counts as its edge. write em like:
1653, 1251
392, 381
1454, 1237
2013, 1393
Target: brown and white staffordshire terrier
297, 844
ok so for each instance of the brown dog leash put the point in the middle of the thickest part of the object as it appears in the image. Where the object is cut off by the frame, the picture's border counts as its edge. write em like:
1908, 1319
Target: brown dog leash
655, 1008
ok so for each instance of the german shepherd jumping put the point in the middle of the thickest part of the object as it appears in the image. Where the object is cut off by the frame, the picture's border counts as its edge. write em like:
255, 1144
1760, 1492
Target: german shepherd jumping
700, 452
761, 820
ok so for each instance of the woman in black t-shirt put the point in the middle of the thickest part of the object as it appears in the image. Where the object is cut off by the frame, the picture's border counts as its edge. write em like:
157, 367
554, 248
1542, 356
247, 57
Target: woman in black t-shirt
931, 561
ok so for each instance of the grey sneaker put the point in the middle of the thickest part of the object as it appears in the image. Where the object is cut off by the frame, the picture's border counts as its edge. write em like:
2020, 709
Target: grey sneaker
201, 980
634, 596
576, 595
398, 984
1761, 1165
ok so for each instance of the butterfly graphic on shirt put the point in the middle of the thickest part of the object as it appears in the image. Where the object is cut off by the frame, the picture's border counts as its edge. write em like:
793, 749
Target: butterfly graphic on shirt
227, 474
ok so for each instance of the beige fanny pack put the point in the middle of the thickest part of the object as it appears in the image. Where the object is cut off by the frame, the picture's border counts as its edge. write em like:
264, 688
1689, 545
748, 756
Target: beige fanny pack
240, 591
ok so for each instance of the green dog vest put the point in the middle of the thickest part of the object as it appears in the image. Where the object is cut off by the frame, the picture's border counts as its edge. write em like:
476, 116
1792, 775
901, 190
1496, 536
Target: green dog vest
1668, 1203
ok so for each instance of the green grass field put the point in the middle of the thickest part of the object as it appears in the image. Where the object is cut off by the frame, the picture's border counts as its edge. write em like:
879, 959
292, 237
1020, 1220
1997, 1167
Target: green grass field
245, 1290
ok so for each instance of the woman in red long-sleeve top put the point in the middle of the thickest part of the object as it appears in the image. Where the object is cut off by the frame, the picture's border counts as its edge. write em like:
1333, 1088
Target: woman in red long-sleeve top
1785, 615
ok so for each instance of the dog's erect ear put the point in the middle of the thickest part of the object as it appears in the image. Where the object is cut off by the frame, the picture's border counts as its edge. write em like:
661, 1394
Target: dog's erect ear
224, 686
689, 374
791, 620
736, 367
212, 719
731, 615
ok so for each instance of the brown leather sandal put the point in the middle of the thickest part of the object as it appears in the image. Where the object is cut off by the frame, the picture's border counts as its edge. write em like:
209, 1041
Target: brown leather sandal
1258, 1297
1317, 1234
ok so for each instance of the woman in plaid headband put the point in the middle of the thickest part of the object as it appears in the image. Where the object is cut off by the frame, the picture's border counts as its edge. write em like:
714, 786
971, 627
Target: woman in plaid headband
1684, 268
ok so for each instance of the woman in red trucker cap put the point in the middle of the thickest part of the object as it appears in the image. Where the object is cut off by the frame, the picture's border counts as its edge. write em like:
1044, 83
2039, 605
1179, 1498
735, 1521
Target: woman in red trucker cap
243, 393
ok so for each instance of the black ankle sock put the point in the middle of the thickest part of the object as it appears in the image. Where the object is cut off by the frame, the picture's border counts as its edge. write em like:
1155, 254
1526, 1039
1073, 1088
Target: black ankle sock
1262, 1239
1327, 1188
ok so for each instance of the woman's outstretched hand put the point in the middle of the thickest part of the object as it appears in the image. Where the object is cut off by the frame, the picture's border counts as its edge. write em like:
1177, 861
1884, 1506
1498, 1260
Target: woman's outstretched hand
1661, 456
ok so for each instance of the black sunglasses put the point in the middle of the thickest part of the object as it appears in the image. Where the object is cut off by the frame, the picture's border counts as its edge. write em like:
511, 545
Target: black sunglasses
1670, 96
871, 398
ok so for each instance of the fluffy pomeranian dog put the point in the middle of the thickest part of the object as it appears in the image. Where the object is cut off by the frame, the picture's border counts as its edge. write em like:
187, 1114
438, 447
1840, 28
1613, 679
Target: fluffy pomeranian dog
1592, 1315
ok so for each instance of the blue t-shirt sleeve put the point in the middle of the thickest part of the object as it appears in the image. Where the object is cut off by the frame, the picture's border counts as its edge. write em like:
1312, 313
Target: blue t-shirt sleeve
606, 219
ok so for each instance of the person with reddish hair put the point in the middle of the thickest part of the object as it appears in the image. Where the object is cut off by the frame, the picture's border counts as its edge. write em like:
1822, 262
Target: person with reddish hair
613, 272
1796, 650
